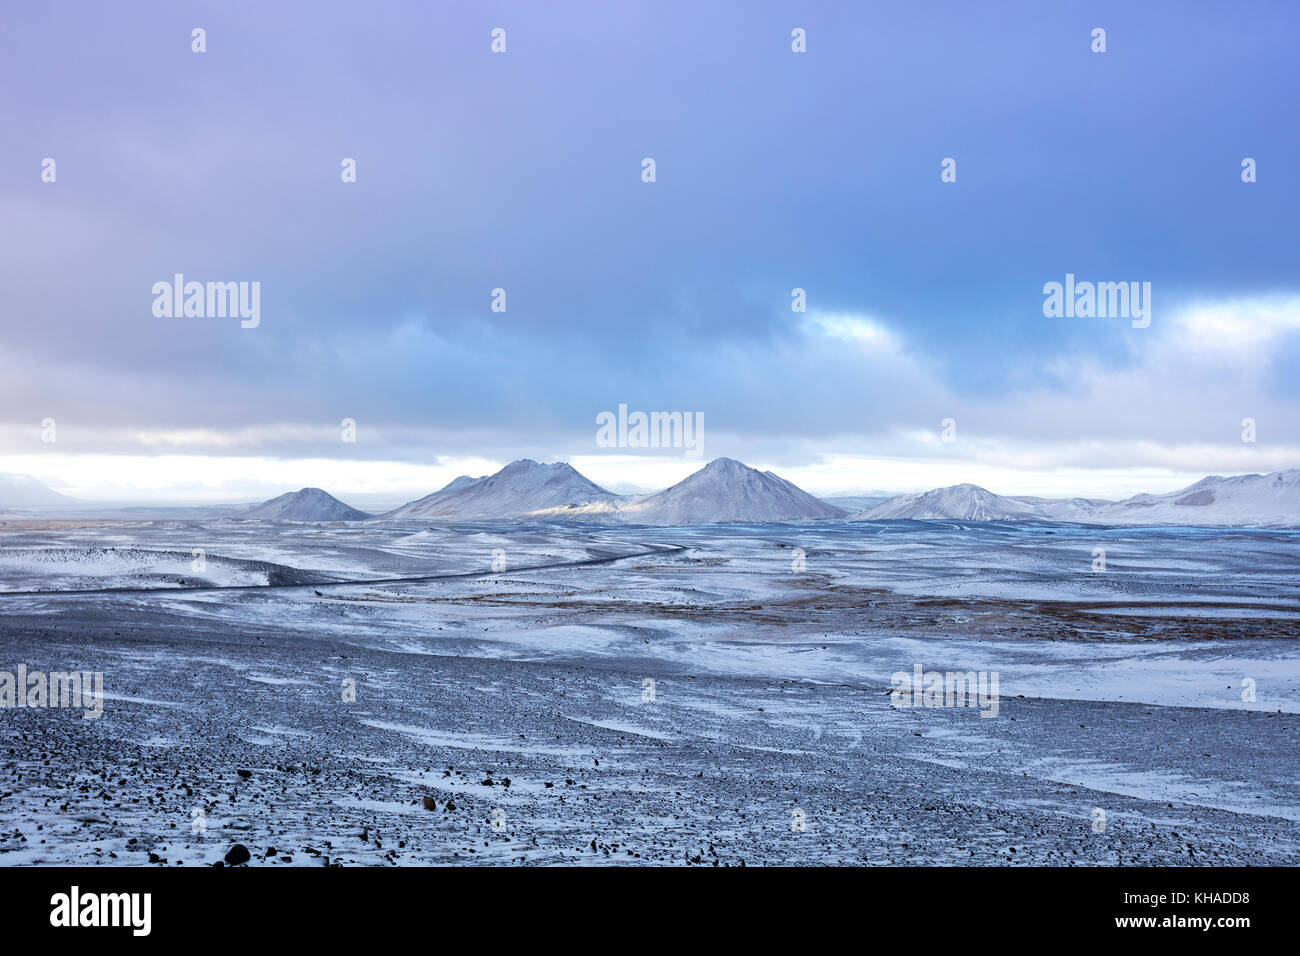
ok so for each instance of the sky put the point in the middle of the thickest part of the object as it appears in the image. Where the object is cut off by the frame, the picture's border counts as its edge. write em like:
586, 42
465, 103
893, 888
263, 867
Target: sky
523, 170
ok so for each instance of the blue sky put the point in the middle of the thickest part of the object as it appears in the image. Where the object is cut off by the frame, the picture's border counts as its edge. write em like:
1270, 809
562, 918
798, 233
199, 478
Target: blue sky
522, 171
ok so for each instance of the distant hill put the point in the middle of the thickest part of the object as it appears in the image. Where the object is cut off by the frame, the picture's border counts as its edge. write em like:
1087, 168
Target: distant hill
1271, 500
27, 494
307, 504
726, 490
855, 503
520, 489
959, 502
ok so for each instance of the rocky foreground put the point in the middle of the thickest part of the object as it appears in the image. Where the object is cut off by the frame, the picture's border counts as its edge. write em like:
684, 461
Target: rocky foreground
214, 743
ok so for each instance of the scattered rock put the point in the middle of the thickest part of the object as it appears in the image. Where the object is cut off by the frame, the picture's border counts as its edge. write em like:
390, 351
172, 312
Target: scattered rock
238, 854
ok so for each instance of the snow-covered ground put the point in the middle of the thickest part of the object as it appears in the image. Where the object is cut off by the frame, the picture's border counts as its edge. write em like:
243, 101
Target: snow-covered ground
667, 695
82, 568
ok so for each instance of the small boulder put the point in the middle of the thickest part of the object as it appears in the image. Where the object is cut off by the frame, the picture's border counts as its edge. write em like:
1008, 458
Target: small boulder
237, 854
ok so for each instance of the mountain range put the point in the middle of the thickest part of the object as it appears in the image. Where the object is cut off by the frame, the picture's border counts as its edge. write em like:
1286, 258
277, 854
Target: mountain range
1271, 500
726, 490
722, 491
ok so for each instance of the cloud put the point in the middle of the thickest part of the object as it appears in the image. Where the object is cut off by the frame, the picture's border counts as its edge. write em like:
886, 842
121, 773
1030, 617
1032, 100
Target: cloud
674, 295
873, 336
1242, 328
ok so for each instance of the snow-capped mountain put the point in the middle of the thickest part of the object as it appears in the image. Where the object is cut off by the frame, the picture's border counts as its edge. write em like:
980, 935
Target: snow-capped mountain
307, 504
1243, 500
960, 502
726, 490
1271, 500
521, 489
23, 493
